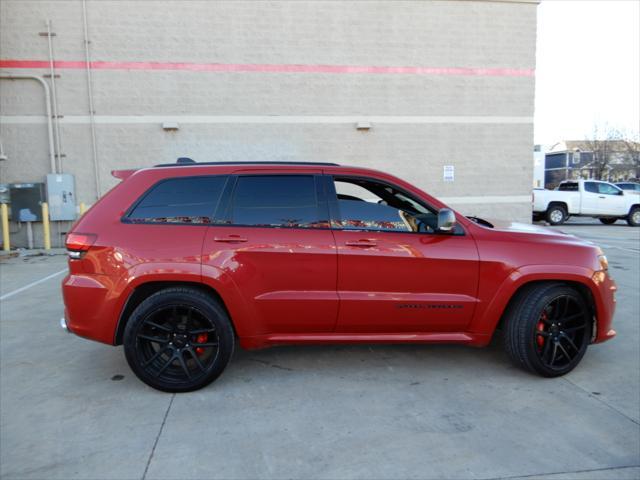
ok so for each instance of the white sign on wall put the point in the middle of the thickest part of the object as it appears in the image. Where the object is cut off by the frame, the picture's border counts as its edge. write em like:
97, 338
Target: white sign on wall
448, 173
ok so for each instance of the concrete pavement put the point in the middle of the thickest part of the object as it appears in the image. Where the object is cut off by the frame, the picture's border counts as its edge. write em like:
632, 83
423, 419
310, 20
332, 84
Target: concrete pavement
316, 412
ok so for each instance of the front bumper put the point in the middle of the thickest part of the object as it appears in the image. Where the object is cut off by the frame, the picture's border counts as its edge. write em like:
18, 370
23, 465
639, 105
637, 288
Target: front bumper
604, 291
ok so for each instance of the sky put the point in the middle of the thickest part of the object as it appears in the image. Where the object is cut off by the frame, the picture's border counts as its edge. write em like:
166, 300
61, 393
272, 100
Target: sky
587, 68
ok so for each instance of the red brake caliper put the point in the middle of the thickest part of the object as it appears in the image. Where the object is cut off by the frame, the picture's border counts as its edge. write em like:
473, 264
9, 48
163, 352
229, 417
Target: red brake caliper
540, 327
202, 338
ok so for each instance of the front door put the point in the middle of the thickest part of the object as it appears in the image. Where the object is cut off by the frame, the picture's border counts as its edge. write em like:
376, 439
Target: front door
396, 273
612, 200
591, 199
601, 198
274, 243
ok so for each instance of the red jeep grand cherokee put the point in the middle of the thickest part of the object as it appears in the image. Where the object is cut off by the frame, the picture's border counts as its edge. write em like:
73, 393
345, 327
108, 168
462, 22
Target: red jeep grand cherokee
178, 261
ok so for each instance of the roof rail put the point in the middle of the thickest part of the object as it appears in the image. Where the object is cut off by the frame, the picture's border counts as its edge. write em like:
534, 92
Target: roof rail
187, 162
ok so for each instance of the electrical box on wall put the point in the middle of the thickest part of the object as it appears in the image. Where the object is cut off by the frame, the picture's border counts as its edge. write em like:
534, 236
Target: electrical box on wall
61, 195
26, 201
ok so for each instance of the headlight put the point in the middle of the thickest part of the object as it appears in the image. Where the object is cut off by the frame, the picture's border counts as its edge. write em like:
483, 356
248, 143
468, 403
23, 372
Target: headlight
600, 275
604, 263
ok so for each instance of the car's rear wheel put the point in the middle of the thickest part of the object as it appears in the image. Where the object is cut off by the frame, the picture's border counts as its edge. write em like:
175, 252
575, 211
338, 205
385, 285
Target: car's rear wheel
608, 221
178, 340
633, 218
548, 329
556, 215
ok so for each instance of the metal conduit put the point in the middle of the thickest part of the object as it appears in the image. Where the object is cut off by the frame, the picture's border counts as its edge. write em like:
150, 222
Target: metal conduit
47, 98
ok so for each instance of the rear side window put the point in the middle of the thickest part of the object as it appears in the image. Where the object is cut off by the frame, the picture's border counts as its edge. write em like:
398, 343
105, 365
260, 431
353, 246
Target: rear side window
276, 201
591, 187
568, 187
180, 200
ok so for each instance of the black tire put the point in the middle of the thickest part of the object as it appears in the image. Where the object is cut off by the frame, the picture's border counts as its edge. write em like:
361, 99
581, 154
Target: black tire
556, 215
178, 340
547, 329
633, 219
608, 221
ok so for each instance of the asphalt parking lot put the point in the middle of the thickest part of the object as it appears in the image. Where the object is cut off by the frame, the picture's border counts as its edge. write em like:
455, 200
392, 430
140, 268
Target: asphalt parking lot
71, 408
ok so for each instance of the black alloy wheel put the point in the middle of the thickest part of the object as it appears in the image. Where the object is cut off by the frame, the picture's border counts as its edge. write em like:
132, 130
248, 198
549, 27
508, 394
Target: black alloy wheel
178, 340
547, 328
562, 333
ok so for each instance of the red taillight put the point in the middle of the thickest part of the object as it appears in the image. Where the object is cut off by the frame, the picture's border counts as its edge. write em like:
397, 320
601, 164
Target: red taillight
80, 242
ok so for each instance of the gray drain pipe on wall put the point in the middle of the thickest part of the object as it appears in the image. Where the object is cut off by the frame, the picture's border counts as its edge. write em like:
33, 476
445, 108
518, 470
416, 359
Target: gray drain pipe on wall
54, 97
92, 121
47, 99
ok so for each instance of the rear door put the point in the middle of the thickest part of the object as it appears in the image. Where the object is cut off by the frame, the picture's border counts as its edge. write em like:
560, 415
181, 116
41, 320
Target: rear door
273, 239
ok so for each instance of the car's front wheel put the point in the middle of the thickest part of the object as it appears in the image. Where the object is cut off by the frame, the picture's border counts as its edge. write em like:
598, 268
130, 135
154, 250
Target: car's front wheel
178, 340
547, 329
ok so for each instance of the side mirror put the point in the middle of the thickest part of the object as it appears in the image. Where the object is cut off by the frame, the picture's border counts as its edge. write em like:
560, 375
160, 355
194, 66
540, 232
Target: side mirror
446, 220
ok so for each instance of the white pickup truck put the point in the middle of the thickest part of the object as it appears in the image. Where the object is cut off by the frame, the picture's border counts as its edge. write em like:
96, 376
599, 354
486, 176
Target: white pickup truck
587, 198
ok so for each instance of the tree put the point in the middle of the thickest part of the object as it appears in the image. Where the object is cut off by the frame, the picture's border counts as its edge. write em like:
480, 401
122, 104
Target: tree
601, 144
632, 150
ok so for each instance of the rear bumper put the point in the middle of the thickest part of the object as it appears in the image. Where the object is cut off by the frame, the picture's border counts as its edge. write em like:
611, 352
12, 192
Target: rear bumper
91, 308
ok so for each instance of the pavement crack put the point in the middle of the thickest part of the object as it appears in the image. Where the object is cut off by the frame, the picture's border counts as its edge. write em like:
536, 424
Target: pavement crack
599, 398
280, 367
155, 443
603, 469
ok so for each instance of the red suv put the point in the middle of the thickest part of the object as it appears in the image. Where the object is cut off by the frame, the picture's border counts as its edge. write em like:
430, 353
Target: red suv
178, 261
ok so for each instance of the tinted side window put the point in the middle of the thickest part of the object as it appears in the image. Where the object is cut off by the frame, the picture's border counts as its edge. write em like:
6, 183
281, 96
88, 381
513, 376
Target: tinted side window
568, 187
180, 200
607, 189
591, 187
276, 201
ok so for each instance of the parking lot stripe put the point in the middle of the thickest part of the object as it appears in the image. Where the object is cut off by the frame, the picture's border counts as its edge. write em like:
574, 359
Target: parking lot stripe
32, 284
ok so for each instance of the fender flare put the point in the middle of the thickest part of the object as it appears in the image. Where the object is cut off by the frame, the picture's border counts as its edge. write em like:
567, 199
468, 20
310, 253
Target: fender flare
486, 320
215, 279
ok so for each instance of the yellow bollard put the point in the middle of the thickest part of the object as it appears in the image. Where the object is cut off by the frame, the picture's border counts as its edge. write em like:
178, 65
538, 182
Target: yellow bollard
83, 208
45, 226
4, 213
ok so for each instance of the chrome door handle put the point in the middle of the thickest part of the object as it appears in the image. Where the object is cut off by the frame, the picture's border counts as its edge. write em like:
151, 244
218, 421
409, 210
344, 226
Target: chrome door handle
361, 243
602, 197
230, 239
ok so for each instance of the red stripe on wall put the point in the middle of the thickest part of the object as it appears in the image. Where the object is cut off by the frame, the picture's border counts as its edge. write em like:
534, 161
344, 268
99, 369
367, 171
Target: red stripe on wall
275, 68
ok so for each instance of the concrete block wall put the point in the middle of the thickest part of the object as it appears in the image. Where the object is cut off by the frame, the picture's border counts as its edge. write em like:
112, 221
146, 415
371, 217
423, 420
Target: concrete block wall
442, 83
